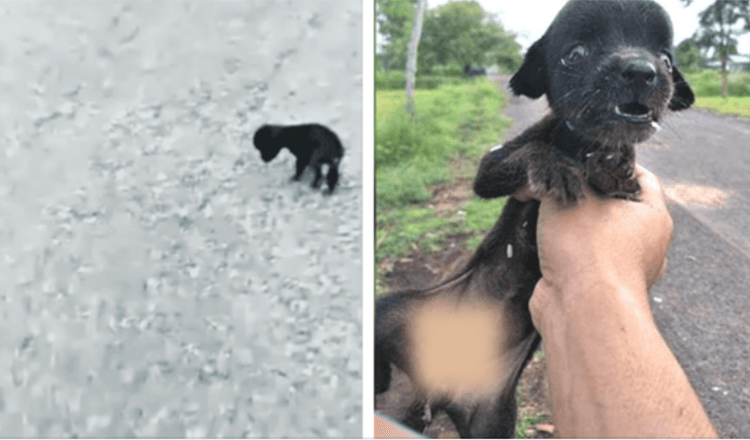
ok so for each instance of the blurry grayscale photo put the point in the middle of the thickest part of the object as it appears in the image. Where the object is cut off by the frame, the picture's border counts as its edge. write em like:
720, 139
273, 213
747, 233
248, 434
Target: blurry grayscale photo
181, 219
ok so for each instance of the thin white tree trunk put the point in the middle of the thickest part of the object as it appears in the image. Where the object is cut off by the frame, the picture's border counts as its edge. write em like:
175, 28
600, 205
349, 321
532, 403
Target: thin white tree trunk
411, 60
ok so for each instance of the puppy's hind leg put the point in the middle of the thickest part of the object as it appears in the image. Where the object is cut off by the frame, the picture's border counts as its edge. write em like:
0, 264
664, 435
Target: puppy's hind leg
332, 177
318, 176
495, 416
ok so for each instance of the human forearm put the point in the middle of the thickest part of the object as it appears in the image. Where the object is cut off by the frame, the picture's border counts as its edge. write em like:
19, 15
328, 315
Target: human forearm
611, 372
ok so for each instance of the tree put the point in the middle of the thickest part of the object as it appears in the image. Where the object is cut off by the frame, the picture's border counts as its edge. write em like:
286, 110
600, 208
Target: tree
462, 32
394, 18
411, 62
719, 30
688, 55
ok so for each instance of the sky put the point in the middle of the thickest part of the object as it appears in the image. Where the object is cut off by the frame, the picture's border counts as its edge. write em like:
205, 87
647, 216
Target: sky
515, 16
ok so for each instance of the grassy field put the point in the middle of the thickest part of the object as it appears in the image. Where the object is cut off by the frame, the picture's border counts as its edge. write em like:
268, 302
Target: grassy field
707, 83
455, 126
737, 106
707, 87
158, 279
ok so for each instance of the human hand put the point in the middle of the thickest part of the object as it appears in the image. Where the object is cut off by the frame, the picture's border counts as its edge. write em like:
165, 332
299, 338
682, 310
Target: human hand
610, 371
600, 240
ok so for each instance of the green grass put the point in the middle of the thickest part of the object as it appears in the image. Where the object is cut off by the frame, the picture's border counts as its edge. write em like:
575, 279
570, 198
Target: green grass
739, 106
527, 421
453, 119
388, 101
480, 216
707, 83
396, 80
455, 123
402, 231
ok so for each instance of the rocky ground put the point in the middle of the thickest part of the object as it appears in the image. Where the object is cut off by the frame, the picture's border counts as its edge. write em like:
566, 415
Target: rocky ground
159, 280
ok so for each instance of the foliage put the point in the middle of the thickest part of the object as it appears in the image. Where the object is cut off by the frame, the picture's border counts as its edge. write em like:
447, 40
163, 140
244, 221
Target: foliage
526, 422
396, 80
401, 231
458, 33
461, 32
688, 55
406, 183
730, 106
719, 24
481, 215
395, 19
719, 30
159, 280
411, 60
707, 83
450, 119
455, 122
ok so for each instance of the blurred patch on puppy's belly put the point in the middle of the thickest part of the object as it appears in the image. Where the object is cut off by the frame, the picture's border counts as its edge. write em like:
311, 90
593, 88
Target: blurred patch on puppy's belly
457, 347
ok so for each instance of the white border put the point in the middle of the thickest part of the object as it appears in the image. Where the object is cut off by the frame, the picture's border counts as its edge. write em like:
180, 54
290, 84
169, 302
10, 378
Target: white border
368, 216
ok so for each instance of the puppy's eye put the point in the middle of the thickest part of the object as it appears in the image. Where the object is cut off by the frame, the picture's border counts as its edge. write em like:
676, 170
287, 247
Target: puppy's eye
667, 61
576, 54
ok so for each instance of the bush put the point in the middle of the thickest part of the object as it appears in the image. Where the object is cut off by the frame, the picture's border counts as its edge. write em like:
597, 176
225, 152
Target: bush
705, 83
396, 80
397, 139
453, 70
739, 84
411, 155
392, 80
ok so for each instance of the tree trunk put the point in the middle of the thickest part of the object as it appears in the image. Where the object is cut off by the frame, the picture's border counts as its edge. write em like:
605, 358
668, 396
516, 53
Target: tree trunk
724, 75
411, 61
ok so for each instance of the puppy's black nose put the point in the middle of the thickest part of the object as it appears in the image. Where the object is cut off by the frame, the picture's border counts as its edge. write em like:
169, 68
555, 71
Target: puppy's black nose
639, 71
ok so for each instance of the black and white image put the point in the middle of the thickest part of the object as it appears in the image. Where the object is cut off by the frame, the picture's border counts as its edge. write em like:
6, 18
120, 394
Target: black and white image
159, 279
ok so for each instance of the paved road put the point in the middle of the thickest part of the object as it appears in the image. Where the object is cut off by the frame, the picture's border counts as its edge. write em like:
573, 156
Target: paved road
702, 304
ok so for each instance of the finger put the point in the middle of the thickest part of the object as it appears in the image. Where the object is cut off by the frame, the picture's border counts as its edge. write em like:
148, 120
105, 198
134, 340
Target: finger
649, 182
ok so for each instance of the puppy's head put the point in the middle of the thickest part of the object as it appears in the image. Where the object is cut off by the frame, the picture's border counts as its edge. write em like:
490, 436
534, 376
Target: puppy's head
265, 141
607, 69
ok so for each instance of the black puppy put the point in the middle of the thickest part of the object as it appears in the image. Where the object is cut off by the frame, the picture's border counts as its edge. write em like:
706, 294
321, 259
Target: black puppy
312, 144
609, 76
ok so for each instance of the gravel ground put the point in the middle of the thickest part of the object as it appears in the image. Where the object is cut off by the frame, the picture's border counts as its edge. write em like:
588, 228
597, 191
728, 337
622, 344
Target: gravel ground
158, 279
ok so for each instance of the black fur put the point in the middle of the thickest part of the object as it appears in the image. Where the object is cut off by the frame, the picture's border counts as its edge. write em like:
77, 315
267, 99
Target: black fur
312, 144
609, 75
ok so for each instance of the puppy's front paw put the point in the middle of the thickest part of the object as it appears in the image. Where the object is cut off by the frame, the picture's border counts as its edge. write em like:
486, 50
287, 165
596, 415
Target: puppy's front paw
611, 173
559, 181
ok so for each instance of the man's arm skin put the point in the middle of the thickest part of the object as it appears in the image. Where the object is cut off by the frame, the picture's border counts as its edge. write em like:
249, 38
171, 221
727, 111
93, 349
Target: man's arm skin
611, 372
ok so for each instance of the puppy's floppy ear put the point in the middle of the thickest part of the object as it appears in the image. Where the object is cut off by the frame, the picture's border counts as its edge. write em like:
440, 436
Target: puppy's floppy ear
531, 78
683, 96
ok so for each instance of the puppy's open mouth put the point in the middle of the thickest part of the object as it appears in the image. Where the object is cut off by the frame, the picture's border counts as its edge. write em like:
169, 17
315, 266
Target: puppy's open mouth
634, 112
